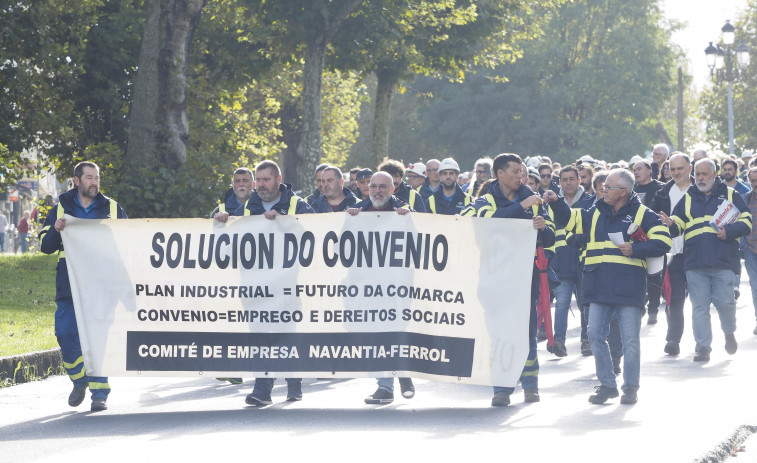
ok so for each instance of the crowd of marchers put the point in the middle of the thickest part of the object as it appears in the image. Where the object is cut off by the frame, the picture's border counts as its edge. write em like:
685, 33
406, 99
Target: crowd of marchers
618, 239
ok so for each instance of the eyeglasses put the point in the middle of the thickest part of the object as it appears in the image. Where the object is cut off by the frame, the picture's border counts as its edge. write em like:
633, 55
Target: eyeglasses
614, 188
432, 170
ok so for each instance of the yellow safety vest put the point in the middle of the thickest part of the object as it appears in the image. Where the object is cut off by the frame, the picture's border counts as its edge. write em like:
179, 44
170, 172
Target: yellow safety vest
292, 205
432, 202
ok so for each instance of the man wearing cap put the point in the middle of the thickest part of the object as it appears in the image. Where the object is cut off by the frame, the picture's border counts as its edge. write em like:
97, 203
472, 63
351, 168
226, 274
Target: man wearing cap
483, 171
660, 153
645, 188
363, 179
449, 199
416, 177
746, 156
401, 189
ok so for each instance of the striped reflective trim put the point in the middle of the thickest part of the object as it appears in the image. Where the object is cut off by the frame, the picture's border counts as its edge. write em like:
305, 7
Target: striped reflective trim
604, 259
432, 204
61, 255
113, 209
530, 373
246, 211
704, 229
94, 385
530, 362
293, 205
72, 365
79, 375
222, 207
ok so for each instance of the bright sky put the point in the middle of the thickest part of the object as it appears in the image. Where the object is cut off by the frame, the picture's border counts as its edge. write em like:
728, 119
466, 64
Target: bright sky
703, 20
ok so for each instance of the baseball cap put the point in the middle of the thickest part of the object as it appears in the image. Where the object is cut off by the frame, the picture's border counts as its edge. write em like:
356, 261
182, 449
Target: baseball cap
634, 159
363, 174
747, 154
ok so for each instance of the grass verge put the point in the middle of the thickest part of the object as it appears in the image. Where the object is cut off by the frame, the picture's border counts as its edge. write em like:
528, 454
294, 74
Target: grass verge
27, 303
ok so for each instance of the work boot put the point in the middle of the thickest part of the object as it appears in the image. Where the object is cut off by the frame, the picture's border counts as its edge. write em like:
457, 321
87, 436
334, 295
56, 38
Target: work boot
558, 348
77, 396
98, 405
294, 391
703, 354
407, 388
501, 399
629, 397
258, 399
730, 343
672, 348
585, 348
541, 334
380, 397
603, 393
531, 395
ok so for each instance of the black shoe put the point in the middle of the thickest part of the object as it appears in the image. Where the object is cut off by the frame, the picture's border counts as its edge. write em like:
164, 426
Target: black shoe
629, 398
380, 397
703, 354
541, 335
672, 348
258, 399
585, 348
730, 343
616, 366
501, 399
98, 405
407, 388
294, 391
531, 395
76, 397
603, 393
652, 318
558, 348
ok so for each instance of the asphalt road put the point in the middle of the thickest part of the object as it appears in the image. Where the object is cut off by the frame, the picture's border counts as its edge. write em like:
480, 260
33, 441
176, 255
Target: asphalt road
686, 411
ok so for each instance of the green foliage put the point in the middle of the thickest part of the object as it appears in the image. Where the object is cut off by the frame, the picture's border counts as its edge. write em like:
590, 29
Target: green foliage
27, 303
714, 98
579, 89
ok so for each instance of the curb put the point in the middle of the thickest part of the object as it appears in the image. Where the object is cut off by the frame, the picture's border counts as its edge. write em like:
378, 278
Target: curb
22, 368
725, 449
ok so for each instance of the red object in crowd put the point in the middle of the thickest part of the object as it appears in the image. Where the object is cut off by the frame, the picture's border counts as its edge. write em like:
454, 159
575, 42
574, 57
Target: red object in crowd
666, 288
543, 309
636, 233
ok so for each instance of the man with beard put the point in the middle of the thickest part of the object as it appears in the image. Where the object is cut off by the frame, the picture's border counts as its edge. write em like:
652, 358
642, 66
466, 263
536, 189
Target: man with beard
401, 189
241, 189
271, 199
729, 170
85, 202
449, 199
711, 255
383, 199
645, 188
586, 176
336, 197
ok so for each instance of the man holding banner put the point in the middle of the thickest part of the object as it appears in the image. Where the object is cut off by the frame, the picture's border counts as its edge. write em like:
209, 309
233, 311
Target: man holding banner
270, 199
508, 198
84, 201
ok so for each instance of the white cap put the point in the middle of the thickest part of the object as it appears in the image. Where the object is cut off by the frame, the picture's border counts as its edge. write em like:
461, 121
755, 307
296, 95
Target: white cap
534, 162
636, 158
418, 168
586, 158
448, 164
747, 154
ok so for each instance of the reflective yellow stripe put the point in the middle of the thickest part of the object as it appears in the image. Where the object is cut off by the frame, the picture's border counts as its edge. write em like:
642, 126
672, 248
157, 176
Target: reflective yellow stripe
411, 199
76, 362
699, 231
246, 211
530, 373
60, 211
432, 204
530, 362
467, 200
113, 209
94, 385
488, 211
222, 207
591, 260
293, 205
79, 375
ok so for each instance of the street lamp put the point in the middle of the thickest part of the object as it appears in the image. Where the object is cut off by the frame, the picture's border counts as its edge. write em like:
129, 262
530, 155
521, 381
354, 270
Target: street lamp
720, 61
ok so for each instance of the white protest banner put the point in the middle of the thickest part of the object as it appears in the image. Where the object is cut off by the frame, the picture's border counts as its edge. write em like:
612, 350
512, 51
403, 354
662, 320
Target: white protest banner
313, 295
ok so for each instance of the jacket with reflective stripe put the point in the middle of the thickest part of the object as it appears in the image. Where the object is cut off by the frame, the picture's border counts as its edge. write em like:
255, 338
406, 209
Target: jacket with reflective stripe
288, 204
394, 202
50, 239
438, 204
229, 204
321, 204
568, 245
495, 204
702, 247
411, 197
425, 190
609, 277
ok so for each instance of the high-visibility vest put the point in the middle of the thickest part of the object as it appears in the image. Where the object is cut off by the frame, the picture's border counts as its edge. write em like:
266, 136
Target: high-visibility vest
292, 206
595, 249
432, 202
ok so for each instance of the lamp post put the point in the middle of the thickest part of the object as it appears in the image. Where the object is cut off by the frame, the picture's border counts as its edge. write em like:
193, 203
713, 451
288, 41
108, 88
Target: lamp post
720, 62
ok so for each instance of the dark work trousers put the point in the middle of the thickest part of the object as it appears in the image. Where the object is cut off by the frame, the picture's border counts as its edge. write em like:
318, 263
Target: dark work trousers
674, 312
654, 292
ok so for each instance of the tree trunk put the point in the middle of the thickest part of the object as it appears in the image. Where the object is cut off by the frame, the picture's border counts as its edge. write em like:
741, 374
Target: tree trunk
312, 79
158, 123
387, 82
290, 159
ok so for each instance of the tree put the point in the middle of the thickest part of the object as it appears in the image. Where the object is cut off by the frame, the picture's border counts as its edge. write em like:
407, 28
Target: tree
579, 89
